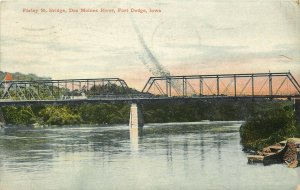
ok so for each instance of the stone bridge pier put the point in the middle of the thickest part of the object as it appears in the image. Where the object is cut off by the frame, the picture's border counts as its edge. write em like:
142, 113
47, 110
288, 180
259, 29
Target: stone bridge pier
136, 123
136, 120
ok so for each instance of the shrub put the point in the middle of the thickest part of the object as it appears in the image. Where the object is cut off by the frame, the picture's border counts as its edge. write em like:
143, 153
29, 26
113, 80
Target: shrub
268, 126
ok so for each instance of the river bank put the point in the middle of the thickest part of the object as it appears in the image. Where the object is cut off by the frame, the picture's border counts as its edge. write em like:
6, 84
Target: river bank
227, 110
269, 136
287, 152
269, 126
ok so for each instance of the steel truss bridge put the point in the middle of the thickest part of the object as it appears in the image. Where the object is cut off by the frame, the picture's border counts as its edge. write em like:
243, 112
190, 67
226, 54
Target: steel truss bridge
114, 90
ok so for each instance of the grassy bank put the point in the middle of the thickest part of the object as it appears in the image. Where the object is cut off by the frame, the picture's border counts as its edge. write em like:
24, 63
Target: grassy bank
269, 125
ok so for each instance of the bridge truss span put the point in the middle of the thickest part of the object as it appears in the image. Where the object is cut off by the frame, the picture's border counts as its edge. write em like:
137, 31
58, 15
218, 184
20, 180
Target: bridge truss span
270, 85
61, 89
188, 87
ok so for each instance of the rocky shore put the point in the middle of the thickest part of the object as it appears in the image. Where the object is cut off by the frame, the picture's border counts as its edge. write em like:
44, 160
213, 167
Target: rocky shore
284, 152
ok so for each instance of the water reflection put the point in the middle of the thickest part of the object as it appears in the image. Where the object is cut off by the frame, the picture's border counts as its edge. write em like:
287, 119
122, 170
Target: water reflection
135, 135
169, 152
202, 156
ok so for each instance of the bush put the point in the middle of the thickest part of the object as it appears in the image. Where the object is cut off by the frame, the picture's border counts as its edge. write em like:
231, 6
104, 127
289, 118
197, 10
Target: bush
268, 126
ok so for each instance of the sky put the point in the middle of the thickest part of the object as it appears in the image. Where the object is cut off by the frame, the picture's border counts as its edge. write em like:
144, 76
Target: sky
186, 37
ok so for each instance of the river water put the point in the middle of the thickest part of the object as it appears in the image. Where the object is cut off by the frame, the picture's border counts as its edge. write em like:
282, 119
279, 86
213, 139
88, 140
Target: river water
204, 155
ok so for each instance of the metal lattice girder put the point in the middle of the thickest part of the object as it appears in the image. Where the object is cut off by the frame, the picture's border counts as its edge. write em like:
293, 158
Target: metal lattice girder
236, 85
58, 89
253, 85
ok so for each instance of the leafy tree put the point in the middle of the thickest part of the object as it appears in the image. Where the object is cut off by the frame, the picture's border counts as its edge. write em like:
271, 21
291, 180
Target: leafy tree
59, 115
19, 115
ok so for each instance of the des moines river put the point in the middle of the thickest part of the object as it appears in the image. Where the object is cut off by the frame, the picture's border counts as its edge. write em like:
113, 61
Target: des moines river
204, 155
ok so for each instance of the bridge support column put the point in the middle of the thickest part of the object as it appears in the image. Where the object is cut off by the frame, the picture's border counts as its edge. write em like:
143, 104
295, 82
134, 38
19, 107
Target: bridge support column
297, 109
136, 117
2, 120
